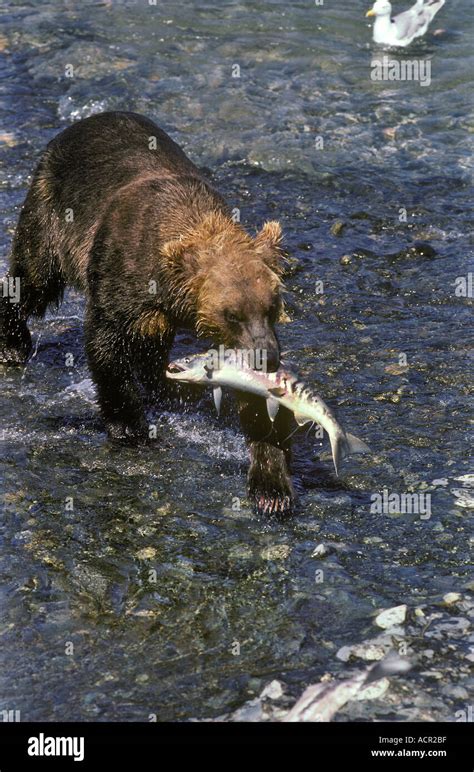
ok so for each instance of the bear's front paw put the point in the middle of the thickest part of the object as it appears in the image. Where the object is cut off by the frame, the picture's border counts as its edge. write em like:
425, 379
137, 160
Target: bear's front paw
15, 338
269, 482
14, 355
15, 350
127, 434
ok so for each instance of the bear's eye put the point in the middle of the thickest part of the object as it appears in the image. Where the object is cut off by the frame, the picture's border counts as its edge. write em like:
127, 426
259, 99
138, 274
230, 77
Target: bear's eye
232, 317
274, 310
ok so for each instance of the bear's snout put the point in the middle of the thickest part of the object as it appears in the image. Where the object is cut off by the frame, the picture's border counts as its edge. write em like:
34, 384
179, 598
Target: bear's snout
259, 336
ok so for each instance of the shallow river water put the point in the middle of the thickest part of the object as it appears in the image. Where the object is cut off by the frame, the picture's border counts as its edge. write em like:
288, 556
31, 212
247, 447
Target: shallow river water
138, 582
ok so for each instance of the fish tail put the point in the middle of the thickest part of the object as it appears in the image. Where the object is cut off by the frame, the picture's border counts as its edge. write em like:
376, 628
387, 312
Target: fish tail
343, 445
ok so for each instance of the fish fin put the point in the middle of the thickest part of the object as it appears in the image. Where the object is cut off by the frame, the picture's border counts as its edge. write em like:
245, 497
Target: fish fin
354, 445
335, 441
343, 445
277, 391
217, 394
273, 407
302, 419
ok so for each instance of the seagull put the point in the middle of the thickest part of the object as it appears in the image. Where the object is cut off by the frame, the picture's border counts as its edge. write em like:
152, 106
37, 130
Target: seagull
404, 27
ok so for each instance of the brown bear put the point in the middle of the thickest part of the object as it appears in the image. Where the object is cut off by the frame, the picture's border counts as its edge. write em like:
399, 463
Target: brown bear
117, 209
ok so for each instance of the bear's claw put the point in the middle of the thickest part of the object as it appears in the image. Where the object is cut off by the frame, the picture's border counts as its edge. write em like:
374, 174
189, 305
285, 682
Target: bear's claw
273, 504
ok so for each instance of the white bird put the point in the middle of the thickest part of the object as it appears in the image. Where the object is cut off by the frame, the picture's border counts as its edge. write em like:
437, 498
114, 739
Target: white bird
404, 27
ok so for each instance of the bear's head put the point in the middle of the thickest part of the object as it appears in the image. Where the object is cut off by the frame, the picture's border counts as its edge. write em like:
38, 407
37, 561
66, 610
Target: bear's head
234, 283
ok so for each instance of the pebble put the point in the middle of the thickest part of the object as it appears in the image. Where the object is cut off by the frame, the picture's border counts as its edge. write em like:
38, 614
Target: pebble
277, 552
466, 478
8, 138
452, 597
146, 553
464, 498
391, 617
320, 551
366, 651
273, 690
428, 653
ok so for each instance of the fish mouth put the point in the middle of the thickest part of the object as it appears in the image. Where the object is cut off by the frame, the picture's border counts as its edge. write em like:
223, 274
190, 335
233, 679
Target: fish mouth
175, 367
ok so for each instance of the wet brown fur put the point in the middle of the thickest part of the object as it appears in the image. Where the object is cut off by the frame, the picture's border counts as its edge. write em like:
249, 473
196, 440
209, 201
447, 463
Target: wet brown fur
107, 214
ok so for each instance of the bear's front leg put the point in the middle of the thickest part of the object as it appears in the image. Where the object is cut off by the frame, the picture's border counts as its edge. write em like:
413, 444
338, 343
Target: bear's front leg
110, 363
269, 481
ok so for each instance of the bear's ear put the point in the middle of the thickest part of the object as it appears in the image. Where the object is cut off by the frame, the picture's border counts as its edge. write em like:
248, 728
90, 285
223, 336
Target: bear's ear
179, 254
268, 244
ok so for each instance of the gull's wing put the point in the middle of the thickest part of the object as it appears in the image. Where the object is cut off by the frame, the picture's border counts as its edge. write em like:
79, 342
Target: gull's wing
410, 22
414, 22
431, 8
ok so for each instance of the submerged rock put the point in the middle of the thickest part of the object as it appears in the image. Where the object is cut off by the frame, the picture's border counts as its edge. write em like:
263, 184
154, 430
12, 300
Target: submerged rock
337, 227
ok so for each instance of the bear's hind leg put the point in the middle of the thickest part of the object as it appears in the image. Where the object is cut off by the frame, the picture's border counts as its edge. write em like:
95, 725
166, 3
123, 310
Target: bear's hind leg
34, 280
